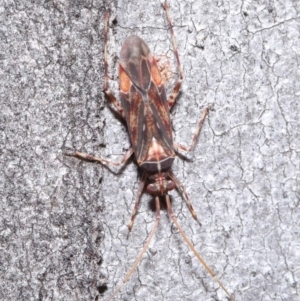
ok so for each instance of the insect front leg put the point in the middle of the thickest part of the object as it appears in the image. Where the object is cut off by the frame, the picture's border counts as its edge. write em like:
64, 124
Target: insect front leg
138, 198
110, 96
183, 192
176, 89
139, 257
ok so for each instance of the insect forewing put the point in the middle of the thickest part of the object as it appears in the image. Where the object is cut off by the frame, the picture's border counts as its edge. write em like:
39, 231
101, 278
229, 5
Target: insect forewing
144, 100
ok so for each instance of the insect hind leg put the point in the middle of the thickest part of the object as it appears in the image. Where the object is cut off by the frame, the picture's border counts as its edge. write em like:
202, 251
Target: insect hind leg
109, 95
176, 89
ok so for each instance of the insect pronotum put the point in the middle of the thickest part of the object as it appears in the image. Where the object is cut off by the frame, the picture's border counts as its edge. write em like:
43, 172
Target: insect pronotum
145, 107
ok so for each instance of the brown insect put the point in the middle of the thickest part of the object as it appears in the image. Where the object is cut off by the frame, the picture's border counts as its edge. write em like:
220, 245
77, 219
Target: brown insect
145, 107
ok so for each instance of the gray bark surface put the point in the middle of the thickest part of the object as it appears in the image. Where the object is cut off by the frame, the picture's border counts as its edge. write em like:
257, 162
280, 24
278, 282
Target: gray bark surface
63, 233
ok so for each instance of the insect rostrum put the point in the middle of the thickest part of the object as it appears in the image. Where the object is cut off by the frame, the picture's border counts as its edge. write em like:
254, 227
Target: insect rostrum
146, 108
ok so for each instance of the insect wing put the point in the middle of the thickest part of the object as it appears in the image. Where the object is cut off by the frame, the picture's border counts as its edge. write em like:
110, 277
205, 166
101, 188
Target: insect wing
144, 100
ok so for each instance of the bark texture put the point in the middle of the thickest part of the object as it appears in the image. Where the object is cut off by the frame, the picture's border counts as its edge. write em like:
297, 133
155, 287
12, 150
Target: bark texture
63, 233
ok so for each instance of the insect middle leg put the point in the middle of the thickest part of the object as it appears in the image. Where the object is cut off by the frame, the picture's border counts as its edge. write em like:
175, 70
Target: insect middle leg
196, 134
103, 161
181, 147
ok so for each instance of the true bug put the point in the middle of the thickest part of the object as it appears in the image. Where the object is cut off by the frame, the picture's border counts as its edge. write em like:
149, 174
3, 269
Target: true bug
145, 107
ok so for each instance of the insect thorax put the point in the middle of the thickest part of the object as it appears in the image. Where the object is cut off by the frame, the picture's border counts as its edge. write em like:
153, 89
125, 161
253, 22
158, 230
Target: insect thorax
157, 166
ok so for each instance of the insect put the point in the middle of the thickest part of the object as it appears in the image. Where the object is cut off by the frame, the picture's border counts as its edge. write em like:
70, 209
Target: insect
145, 107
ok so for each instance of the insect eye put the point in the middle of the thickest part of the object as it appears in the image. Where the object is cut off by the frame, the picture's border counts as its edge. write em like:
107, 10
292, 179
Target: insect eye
153, 189
160, 189
170, 185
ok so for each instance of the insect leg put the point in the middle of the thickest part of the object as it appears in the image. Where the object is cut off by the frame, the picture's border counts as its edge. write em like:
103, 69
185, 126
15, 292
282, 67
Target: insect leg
182, 190
91, 158
106, 90
176, 89
138, 198
137, 261
198, 129
192, 248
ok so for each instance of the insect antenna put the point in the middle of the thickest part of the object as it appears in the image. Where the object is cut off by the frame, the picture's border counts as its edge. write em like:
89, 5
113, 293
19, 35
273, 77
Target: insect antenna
191, 246
138, 259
